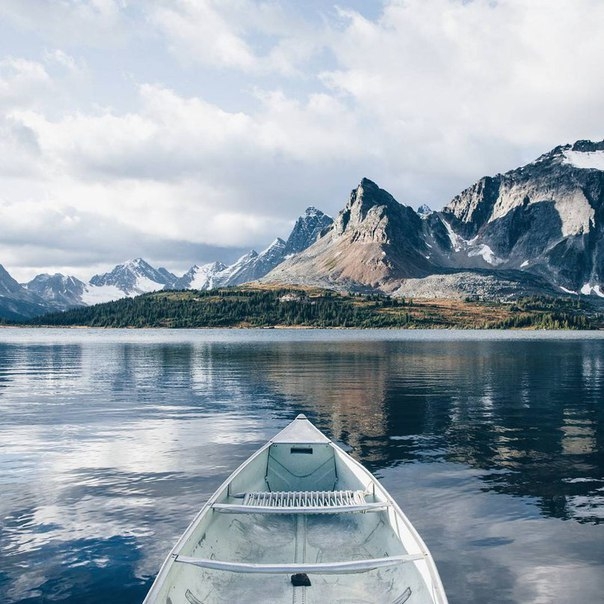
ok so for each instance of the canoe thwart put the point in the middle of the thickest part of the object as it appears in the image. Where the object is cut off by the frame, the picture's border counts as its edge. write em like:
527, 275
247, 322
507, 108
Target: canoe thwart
322, 568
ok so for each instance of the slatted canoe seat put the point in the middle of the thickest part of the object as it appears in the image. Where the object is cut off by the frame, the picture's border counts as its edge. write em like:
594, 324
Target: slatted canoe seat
301, 502
321, 568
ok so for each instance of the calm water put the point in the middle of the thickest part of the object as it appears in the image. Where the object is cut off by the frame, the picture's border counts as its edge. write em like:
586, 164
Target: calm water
110, 442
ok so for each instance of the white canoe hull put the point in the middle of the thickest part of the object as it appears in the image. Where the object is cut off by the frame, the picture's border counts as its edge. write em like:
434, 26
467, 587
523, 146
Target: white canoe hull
299, 510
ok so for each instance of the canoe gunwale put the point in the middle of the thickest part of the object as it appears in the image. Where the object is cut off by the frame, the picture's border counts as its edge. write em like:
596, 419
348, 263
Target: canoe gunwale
225, 486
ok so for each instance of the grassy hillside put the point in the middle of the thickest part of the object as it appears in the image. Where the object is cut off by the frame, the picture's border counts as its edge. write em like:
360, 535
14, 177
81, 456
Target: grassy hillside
289, 307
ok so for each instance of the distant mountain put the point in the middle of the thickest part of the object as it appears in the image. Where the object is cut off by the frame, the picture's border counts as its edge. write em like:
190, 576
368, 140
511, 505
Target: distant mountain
254, 265
536, 229
306, 230
135, 277
200, 277
60, 291
16, 302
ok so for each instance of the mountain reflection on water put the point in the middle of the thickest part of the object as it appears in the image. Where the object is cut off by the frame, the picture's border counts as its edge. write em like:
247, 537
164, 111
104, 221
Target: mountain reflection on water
110, 443
532, 415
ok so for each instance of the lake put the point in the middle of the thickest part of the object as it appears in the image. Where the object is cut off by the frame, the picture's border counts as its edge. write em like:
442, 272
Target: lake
491, 442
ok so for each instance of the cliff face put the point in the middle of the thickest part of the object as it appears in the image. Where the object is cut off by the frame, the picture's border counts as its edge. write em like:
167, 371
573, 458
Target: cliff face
545, 218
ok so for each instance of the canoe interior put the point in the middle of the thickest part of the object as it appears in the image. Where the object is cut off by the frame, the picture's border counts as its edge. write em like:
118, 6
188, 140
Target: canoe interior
297, 538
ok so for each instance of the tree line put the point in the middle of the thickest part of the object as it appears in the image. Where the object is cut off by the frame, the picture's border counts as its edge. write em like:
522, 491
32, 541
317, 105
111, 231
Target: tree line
288, 307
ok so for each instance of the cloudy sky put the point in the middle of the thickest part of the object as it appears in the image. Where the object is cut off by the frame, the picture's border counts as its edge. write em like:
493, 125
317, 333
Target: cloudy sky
186, 131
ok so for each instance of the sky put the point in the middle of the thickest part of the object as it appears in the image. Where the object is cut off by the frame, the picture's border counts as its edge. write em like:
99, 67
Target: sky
188, 131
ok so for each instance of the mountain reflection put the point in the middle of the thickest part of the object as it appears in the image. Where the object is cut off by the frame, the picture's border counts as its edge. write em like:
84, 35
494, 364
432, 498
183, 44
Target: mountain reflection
531, 415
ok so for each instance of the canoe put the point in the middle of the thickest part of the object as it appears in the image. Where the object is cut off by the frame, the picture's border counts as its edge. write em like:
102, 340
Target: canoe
299, 522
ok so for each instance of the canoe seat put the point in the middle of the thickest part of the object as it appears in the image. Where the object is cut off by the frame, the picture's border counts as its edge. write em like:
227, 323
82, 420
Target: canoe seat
301, 502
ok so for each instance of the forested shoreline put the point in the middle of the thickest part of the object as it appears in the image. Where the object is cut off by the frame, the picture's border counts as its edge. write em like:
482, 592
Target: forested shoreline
316, 308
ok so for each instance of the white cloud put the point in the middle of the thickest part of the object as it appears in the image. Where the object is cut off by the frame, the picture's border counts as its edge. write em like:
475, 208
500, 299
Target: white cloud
96, 23
274, 106
183, 168
447, 80
248, 35
63, 60
22, 82
200, 30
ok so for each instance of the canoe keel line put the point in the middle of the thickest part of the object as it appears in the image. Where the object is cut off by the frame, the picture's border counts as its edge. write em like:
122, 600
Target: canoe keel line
299, 522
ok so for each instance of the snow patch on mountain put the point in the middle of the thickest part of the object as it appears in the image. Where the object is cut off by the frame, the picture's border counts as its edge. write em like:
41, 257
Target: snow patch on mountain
487, 254
424, 211
99, 294
201, 277
585, 160
457, 242
471, 248
591, 288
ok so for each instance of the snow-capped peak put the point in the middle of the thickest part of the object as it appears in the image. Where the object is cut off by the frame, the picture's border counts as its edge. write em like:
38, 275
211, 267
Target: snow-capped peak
135, 277
312, 212
306, 230
277, 244
201, 277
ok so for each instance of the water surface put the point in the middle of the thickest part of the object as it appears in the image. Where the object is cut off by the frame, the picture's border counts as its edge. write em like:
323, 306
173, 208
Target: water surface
492, 443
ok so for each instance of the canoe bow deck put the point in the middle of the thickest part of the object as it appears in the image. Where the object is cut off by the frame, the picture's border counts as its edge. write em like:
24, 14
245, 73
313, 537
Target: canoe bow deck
300, 511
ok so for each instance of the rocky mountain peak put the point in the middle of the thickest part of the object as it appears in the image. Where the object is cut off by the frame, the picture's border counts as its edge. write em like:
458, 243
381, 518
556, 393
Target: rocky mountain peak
369, 195
373, 242
135, 276
585, 146
8, 285
62, 290
277, 244
17, 302
306, 230
567, 177
544, 217
371, 213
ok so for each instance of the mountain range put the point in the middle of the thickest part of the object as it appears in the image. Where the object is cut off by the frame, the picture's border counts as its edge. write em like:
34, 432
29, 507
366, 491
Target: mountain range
47, 293
538, 229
